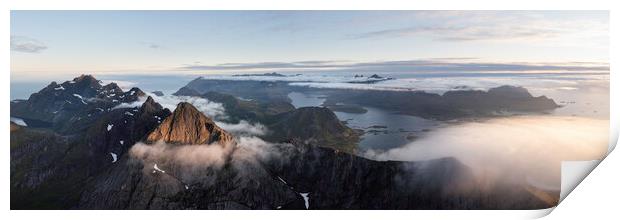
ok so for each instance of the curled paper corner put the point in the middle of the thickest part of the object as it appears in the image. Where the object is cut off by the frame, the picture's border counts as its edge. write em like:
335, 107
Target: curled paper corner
535, 214
573, 172
613, 135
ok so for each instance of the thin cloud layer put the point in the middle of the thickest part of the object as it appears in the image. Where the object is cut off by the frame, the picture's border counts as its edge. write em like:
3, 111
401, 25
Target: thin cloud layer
26, 44
152, 45
427, 66
527, 26
468, 33
186, 162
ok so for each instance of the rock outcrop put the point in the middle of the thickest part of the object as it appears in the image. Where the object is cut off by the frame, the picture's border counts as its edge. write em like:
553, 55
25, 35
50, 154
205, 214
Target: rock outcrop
187, 125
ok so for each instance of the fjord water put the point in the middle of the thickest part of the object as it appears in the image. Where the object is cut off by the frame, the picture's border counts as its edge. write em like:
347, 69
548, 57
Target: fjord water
382, 129
580, 96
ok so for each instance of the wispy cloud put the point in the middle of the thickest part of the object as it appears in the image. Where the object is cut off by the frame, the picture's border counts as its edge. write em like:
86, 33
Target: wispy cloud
438, 65
468, 33
267, 65
26, 44
152, 45
491, 26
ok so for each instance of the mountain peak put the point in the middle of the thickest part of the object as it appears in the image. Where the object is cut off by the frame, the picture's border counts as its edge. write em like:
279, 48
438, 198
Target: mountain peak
186, 91
85, 78
113, 87
150, 105
187, 125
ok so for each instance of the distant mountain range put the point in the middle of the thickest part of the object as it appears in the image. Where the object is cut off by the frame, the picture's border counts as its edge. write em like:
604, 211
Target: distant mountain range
85, 148
451, 105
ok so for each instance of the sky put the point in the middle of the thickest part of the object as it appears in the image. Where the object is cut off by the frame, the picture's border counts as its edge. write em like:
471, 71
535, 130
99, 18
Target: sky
49, 44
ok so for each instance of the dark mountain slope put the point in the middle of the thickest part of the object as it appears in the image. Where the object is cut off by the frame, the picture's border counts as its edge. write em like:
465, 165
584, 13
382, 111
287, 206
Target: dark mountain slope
47, 169
73, 105
315, 125
295, 175
450, 105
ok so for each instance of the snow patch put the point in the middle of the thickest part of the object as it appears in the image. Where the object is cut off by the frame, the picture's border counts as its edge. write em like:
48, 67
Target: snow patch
110, 127
18, 121
306, 199
122, 142
59, 88
157, 168
129, 113
80, 97
114, 157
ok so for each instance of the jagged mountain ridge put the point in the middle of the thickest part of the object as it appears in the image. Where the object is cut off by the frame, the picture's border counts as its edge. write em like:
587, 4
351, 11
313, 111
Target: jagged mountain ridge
72, 105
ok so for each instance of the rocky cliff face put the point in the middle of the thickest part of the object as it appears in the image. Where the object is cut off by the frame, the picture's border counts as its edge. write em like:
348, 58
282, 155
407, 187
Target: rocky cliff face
187, 125
47, 169
118, 130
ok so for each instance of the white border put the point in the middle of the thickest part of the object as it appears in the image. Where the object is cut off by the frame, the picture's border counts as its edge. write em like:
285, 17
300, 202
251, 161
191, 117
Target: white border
598, 190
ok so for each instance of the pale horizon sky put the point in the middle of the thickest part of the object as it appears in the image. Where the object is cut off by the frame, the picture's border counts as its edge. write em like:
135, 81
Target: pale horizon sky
52, 43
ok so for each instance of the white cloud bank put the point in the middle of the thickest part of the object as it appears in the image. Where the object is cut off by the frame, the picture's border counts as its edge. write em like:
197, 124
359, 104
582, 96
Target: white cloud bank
184, 161
521, 149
